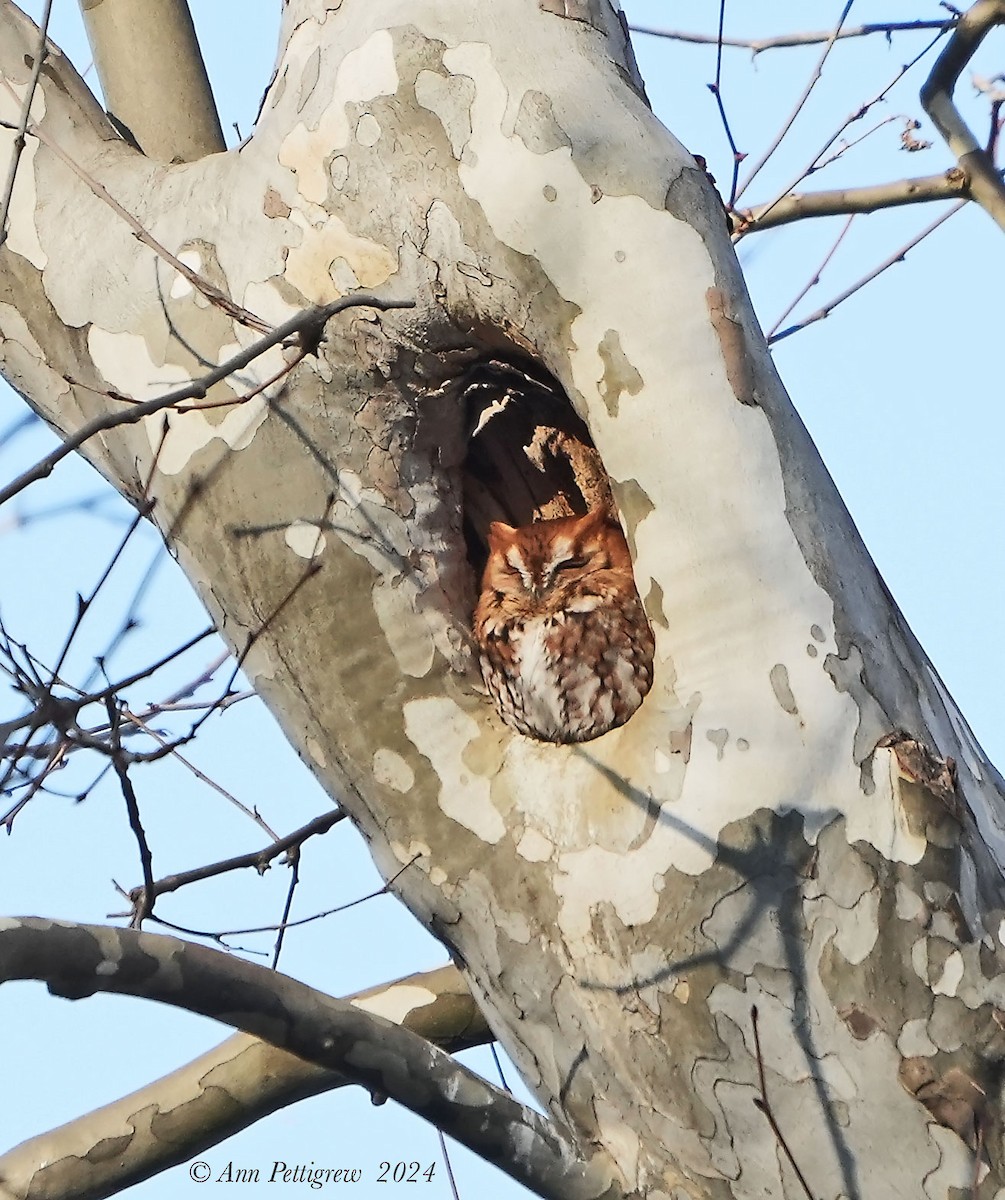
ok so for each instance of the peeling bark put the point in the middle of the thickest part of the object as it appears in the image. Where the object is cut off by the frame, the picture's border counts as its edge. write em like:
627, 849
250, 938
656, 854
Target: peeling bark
750, 836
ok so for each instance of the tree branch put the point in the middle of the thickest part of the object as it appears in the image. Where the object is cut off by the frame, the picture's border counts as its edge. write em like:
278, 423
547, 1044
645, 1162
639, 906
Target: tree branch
259, 859
953, 184
153, 77
757, 45
817, 162
986, 186
896, 257
77, 961
216, 1095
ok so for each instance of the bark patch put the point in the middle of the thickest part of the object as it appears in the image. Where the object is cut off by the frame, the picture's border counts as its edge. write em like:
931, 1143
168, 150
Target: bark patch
654, 605
537, 126
779, 676
860, 1023
733, 345
620, 375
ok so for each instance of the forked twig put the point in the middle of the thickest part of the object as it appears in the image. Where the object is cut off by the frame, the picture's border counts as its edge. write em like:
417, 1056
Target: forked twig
896, 257
219, 935
144, 906
815, 163
716, 90
258, 859
815, 277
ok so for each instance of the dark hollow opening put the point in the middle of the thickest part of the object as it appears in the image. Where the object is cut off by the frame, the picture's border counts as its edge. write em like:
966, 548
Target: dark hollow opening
530, 457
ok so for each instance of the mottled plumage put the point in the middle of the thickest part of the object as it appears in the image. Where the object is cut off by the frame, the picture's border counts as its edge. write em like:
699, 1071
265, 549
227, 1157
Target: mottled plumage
566, 650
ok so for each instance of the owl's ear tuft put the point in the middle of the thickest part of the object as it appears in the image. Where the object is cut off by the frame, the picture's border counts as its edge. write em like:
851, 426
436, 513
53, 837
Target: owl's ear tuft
500, 534
593, 521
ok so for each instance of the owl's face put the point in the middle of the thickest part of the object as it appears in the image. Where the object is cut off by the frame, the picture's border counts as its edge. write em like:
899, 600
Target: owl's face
541, 565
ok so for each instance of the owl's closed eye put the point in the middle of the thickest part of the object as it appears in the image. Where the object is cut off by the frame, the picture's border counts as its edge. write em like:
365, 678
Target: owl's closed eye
566, 650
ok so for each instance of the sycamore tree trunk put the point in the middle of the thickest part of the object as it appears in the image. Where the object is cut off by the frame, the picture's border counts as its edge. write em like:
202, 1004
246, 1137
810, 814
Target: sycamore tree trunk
782, 875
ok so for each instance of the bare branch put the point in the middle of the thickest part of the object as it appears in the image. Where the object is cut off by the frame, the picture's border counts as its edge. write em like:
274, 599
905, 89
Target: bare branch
986, 186
144, 905
814, 279
387, 1060
250, 1076
218, 935
757, 45
307, 324
818, 162
896, 257
259, 859
798, 108
951, 185
716, 90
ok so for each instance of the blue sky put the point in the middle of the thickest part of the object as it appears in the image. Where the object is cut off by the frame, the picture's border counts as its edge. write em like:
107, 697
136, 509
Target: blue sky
900, 387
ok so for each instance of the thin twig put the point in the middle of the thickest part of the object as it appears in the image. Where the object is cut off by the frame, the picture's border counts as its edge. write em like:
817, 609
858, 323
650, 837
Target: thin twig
286, 368
716, 90
309, 572
308, 324
144, 906
172, 748
146, 672
259, 859
219, 935
784, 40
815, 163
35, 785
896, 257
294, 858
446, 1162
811, 83
84, 603
499, 1068
25, 119
845, 145
815, 277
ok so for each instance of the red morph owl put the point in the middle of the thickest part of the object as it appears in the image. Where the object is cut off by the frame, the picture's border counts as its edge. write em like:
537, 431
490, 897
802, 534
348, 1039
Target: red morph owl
566, 650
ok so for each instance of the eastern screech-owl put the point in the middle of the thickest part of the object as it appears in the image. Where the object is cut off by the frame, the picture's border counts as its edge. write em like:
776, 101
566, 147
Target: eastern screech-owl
566, 650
